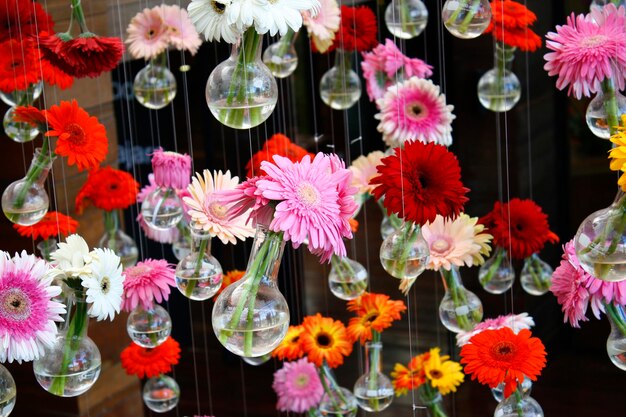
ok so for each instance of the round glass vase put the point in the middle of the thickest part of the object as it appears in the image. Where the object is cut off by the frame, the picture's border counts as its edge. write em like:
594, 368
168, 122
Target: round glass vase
8, 392
616, 343
498, 392
404, 254
72, 365
460, 309
518, 405
241, 92
149, 327
250, 316
26, 201
373, 390
281, 57
536, 276
162, 209
347, 279
46, 247
337, 401
19, 131
604, 111
466, 19
499, 89
340, 86
406, 19
161, 393
23, 97
390, 222
155, 85
497, 275
431, 399
119, 242
199, 275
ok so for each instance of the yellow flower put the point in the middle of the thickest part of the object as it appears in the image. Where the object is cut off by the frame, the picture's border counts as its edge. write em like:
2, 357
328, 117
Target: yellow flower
618, 153
444, 374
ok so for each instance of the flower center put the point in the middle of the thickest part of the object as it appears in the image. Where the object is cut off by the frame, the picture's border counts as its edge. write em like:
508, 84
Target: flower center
218, 210
594, 41
218, 7
76, 133
416, 111
295, 340
435, 374
369, 318
105, 285
323, 340
301, 381
503, 351
308, 194
441, 245
15, 305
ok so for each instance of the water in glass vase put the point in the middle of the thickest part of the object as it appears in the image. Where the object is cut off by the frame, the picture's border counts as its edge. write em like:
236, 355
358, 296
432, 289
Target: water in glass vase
263, 337
616, 350
161, 394
7, 406
373, 401
8, 392
242, 116
75, 383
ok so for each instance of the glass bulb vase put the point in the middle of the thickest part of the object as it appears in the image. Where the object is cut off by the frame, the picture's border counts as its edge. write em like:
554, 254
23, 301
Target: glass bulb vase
616, 343
390, 222
536, 276
604, 112
518, 405
340, 86
162, 209
404, 254
24, 97
149, 327
497, 275
406, 19
431, 399
119, 242
250, 316
460, 309
155, 85
373, 390
199, 275
466, 19
46, 247
347, 279
161, 393
8, 392
336, 401
281, 57
499, 89
498, 392
20, 132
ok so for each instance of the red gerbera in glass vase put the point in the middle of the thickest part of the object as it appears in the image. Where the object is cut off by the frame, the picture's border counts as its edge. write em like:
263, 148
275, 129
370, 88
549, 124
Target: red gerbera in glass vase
278, 144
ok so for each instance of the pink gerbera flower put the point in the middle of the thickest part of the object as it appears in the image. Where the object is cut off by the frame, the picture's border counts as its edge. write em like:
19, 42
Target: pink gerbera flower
414, 110
27, 311
171, 169
515, 322
297, 386
146, 283
386, 64
324, 25
587, 50
182, 33
147, 34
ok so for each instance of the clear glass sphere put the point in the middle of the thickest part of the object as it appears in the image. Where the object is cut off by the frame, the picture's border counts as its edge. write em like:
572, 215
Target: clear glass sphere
154, 86
596, 115
281, 60
498, 392
8, 392
347, 279
259, 360
23, 97
340, 89
499, 93
466, 19
123, 245
20, 132
463, 317
526, 407
536, 276
616, 343
149, 328
199, 276
161, 394
386, 228
82, 371
375, 394
181, 247
338, 404
497, 275
406, 19
405, 254
25, 204
162, 209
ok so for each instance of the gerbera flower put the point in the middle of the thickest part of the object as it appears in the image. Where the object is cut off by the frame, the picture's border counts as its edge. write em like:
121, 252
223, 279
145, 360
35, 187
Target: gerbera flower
375, 312
278, 144
325, 340
515, 322
105, 285
27, 309
19, 66
55, 76
210, 213
386, 64
519, 226
408, 378
51, 225
618, 153
147, 34
148, 363
80, 137
415, 110
443, 374
146, 283
107, 189
297, 386
181, 31
20, 19
419, 182
31, 115
587, 50
509, 24
229, 278
210, 19
171, 169
456, 242
72, 256
501, 356
290, 348
324, 25
363, 170
275, 16
247, 197
357, 31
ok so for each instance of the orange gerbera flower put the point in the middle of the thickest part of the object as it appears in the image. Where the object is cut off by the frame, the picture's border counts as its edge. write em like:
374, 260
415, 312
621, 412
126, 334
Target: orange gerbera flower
290, 348
107, 189
278, 144
228, 278
407, 378
146, 363
325, 340
81, 137
496, 356
51, 225
375, 312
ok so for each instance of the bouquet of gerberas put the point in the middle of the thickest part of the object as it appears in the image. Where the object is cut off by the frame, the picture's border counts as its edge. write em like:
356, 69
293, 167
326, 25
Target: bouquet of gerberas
432, 375
53, 224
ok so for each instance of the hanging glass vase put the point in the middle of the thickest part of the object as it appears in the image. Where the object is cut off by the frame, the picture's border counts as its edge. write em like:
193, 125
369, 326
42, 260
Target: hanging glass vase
161, 393
8, 392
242, 92
497, 275
181, 247
466, 19
390, 223
72, 365
406, 19
250, 316
199, 275
340, 87
46, 247
162, 209
336, 401
605, 110
150, 327
404, 254
20, 132
431, 398
498, 392
499, 88
460, 309
23, 97
259, 360
281, 57
373, 390
616, 343
155, 85
119, 242
347, 279
600, 241
25, 201
536, 275
518, 405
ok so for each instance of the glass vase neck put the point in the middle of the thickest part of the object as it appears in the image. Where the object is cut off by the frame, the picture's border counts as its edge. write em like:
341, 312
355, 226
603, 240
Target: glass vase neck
76, 320
289, 38
111, 221
619, 196
267, 252
343, 59
617, 318
250, 45
504, 56
201, 243
373, 353
451, 278
46, 247
40, 165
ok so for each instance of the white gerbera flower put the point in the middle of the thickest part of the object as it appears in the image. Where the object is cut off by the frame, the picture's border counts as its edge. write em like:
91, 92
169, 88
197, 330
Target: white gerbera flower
105, 285
210, 17
72, 257
273, 16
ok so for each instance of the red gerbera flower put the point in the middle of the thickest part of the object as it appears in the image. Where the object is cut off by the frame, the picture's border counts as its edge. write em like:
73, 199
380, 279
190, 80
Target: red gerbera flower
81, 137
524, 39
419, 182
510, 23
18, 66
148, 363
22, 18
520, 226
278, 144
31, 115
358, 29
51, 225
107, 189
55, 76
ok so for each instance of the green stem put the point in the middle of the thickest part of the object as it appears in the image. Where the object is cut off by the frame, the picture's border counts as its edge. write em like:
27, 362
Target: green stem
410, 233
79, 15
518, 401
459, 299
616, 317
486, 279
193, 281
462, 6
154, 337
610, 105
111, 225
431, 399
503, 57
331, 388
404, 17
347, 274
373, 370
535, 269
285, 42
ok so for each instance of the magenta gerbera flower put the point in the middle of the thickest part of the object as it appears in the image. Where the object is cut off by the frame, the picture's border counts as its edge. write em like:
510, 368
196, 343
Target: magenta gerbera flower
297, 386
588, 49
27, 312
146, 283
415, 110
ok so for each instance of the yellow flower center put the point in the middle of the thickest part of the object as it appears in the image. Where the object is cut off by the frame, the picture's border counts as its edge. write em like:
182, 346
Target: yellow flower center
301, 380
218, 210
